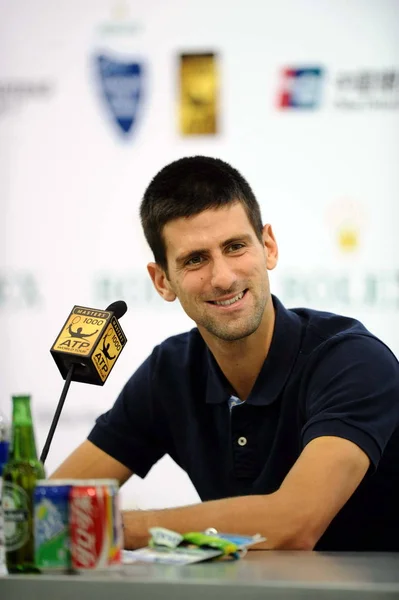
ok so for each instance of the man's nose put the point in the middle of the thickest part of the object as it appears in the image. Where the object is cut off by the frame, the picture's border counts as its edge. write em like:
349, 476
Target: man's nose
223, 276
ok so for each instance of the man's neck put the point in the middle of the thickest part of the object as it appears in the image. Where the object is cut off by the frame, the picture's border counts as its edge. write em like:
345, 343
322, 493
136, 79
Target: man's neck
242, 361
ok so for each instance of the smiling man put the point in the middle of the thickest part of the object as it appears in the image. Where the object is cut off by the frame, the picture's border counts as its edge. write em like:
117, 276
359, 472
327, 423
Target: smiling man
286, 421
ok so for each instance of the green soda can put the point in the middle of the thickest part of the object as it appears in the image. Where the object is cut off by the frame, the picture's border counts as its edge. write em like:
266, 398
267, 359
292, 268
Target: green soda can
51, 525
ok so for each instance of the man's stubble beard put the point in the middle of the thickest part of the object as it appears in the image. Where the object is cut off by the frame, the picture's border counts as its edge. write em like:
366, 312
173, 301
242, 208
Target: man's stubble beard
232, 332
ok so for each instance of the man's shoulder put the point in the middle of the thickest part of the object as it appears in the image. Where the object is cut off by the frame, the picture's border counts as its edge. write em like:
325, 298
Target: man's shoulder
331, 341
322, 327
327, 338
308, 344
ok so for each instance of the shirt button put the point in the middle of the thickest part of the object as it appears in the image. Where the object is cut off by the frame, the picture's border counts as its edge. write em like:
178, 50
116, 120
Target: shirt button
242, 441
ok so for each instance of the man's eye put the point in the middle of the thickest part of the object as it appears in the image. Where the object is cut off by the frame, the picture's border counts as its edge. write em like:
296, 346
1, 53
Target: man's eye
235, 247
194, 260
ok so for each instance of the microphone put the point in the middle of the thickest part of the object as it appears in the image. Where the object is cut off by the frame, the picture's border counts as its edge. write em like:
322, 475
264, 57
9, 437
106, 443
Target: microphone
92, 341
119, 308
86, 350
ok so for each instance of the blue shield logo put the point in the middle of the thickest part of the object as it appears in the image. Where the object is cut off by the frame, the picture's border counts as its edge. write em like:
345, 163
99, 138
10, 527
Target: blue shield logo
121, 86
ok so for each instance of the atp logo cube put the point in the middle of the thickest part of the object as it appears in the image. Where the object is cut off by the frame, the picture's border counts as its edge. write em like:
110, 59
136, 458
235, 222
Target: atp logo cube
300, 88
91, 340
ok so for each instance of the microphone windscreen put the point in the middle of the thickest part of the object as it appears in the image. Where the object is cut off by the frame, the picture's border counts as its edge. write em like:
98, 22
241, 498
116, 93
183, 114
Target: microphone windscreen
118, 308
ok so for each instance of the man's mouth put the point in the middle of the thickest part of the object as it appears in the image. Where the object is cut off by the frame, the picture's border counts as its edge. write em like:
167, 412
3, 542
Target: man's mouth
229, 301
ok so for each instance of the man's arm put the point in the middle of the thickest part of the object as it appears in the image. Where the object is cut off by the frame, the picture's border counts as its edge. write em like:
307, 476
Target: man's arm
89, 462
293, 518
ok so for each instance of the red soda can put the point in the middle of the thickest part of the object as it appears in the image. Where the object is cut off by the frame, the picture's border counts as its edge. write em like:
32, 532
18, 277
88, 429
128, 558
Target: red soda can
96, 543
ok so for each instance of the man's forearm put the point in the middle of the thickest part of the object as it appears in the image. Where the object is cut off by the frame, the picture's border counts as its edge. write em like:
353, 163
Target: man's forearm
245, 514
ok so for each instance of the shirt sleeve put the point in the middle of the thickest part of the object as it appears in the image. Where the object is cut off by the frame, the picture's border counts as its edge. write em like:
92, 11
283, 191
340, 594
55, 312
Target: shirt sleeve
353, 393
128, 431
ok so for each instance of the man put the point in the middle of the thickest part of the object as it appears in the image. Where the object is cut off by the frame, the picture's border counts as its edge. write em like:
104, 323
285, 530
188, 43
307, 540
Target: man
286, 421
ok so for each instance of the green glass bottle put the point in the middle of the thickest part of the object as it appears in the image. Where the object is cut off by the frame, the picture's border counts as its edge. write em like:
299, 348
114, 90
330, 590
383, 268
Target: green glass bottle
20, 474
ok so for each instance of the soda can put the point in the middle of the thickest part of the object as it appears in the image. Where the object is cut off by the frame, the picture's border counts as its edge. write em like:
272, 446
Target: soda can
96, 541
114, 520
51, 525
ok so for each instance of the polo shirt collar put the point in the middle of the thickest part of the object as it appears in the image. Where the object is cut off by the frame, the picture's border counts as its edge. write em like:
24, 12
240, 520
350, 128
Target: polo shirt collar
276, 369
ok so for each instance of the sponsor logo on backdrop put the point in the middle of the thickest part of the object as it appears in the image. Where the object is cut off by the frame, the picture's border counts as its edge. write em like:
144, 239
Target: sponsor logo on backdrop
350, 286
352, 89
121, 85
16, 93
198, 107
341, 289
346, 219
120, 22
300, 88
119, 69
367, 89
19, 290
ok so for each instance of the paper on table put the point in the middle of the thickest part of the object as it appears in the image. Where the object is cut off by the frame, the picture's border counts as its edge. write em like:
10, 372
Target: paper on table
177, 556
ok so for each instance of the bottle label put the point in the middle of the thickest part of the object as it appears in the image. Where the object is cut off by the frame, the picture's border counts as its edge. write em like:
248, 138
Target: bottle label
4, 444
16, 516
2, 541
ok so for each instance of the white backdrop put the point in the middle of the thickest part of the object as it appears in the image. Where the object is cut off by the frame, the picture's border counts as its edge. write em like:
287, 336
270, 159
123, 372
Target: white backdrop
325, 172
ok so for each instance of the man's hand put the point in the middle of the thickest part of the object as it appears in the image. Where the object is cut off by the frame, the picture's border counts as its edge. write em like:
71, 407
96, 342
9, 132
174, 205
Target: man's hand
293, 518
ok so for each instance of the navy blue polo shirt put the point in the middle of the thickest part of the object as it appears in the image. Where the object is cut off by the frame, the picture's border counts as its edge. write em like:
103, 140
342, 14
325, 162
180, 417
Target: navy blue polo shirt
324, 375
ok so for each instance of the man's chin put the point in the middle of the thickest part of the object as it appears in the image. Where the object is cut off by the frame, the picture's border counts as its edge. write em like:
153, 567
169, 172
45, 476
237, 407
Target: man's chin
233, 334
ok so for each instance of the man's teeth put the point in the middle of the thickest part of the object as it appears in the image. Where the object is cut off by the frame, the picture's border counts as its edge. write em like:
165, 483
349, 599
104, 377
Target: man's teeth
231, 301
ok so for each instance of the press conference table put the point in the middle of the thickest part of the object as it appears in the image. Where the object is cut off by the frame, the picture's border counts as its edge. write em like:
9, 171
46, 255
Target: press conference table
261, 574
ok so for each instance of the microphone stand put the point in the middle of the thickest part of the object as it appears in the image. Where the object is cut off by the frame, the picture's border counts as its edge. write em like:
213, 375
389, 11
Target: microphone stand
57, 413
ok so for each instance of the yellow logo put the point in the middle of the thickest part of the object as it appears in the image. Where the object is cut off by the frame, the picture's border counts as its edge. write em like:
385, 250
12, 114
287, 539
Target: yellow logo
108, 349
346, 219
80, 332
348, 238
198, 94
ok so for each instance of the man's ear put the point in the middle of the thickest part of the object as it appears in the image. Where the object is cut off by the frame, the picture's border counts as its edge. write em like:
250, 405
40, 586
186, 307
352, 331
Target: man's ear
161, 282
271, 247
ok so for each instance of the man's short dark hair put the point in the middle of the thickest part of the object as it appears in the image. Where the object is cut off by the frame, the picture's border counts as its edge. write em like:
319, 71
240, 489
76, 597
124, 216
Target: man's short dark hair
187, 187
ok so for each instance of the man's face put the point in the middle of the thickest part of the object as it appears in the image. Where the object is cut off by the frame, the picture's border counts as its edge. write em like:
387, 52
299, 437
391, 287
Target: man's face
218, 270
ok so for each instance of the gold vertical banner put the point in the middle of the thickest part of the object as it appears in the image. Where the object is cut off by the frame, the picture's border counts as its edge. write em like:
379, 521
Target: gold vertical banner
198, 107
